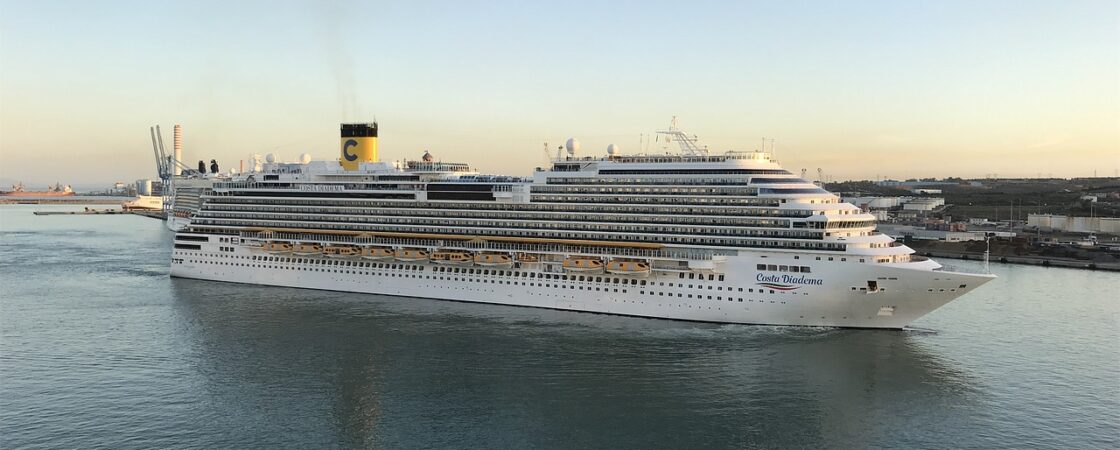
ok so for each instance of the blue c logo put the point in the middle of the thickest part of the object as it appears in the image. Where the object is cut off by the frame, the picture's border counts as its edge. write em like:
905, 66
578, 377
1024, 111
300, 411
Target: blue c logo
346, 150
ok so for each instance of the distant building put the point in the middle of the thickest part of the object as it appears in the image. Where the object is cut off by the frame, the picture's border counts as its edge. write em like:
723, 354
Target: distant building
923, 204
913, 232
872, 203
925, 191
1075, 224
912, 184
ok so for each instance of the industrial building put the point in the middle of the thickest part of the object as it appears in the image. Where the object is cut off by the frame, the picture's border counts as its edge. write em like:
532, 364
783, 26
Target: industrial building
923, 204
1074, 224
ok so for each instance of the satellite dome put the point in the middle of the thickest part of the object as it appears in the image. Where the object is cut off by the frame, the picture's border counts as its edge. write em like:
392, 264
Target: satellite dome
612, 149
270, 158
572, 146
305, 158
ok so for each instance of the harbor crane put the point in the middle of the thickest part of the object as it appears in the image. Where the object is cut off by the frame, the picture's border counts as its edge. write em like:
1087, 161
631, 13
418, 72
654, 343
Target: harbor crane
165, 162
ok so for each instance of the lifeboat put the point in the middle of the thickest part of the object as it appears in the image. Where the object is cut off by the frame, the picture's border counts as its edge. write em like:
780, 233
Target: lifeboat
277, 247
451, 257
583, 264
377, 253
411, 255
527, 258
622, 267
341, 251
493, 260
307, 249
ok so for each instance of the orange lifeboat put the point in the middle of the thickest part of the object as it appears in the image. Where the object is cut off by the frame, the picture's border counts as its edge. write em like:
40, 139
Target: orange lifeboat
341, 251
493, 260
276, 247
307, 249
377, 253
583, 264
623, 267
451, 257
411, 255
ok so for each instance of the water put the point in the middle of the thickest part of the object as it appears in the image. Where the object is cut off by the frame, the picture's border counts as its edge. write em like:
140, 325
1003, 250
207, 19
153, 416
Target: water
100, 348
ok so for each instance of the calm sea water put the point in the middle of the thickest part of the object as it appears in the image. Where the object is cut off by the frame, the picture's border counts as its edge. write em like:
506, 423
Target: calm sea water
100, 348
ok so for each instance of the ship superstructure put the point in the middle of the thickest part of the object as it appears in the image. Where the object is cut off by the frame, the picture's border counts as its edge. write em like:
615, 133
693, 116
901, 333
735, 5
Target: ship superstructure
729, 237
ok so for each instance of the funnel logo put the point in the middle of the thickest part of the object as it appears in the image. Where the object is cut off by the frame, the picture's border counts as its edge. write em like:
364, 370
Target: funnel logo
346, 150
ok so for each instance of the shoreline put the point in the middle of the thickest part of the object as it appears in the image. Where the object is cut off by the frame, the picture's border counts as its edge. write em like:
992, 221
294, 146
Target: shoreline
63, 201
1042, 261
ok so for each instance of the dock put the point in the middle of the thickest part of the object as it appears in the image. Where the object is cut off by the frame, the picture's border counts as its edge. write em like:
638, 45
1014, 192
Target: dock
1031, 260
105, 212
62, 201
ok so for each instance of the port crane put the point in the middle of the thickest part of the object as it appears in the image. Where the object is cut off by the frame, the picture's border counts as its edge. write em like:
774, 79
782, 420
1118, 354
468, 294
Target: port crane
165, 168
166, 162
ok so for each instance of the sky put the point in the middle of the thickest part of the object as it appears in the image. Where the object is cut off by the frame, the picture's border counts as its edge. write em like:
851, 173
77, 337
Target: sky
859, 89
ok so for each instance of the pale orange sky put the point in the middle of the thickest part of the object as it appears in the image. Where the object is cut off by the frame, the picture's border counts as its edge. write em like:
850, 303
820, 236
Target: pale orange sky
862, 90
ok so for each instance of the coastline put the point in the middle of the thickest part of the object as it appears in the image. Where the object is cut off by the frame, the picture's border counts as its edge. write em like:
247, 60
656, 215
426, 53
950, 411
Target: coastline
68, 200
1044, 261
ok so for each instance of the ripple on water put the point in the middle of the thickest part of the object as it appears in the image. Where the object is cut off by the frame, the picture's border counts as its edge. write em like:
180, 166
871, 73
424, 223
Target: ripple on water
99, 348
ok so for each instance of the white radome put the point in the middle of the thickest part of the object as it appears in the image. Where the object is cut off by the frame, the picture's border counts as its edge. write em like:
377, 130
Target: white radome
270, 158
305, 158
573, 146
612, 149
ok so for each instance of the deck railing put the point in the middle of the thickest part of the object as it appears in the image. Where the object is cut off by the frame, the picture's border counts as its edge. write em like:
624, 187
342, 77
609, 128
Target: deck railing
484, 245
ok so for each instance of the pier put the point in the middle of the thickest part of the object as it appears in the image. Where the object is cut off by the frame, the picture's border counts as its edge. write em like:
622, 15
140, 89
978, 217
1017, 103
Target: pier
62, 201
105, 212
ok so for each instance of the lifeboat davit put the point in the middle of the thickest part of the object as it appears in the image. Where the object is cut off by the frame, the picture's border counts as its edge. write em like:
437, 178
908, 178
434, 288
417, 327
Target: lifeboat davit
583, 264
527, 258
277, 247
451, 257
341, 251
377, 253
307, 249
411, 255
493, 260
622, 267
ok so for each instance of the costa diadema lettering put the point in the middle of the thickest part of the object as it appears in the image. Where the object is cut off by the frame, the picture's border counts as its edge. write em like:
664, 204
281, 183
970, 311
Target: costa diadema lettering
694, 235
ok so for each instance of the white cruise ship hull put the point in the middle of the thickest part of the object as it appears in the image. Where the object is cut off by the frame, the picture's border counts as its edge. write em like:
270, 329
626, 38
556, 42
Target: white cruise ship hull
904, 292
730, 238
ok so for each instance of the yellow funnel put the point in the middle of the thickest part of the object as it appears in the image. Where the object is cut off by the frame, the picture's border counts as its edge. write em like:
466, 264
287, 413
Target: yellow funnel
359, 144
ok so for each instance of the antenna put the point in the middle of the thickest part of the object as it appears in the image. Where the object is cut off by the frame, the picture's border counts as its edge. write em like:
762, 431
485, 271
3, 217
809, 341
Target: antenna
546, 158
820, 176
803, 173
688, 144
987, 252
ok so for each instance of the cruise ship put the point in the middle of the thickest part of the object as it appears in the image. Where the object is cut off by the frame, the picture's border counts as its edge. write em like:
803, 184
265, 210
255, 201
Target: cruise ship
689, 235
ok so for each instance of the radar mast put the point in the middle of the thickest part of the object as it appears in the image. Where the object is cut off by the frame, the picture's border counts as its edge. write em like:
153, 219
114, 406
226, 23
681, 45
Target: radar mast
688, 144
